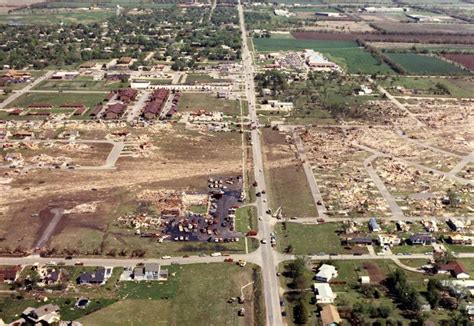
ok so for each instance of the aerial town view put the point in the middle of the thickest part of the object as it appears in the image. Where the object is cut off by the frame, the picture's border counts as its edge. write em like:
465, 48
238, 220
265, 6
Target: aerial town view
237, 162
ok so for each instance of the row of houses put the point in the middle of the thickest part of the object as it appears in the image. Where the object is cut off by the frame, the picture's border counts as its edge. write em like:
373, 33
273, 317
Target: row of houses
390, 240
155, 104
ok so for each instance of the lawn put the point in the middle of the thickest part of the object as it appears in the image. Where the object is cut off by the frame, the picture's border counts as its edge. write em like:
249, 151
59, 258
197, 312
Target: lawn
309, 239
411, 249
57, 99
345, 53
209, 102
202, 78
198, 295
246, 219
415, 63
93, 85
458, 87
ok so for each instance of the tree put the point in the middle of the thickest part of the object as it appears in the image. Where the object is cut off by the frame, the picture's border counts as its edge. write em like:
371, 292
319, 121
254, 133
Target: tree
300, 313
433, 294
405, 293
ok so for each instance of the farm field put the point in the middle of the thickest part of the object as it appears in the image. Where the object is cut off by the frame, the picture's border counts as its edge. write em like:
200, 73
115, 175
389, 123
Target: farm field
425, 65
288, 187
396, 27
467, 60
345, 53
423, 46
392, 37
57, 99
48, 17
458, 87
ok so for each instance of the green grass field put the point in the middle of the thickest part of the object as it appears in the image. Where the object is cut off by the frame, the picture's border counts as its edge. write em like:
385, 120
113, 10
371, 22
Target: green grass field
246, 219
197, 295
209, 102
419, 64
202, 78
57, 99
345, 53
89, 84
310, 239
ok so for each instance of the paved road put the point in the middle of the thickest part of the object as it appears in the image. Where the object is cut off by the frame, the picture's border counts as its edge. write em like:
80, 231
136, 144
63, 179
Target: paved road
267, 254
461, 164
58, 213
26, 89
63, 91
253, 257
136, 108
433, 148
313, 185
414, 164
397, 103
392, 203
167, 106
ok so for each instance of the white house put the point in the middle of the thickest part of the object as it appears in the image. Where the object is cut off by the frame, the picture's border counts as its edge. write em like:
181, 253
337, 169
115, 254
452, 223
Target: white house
324, 293
388, 239
326, 273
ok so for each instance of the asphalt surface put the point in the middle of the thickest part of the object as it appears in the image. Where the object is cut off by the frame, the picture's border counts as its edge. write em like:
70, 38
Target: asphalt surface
268, 261
25, 89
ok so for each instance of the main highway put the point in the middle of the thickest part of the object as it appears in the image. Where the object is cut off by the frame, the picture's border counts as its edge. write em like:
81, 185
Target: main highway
268, 260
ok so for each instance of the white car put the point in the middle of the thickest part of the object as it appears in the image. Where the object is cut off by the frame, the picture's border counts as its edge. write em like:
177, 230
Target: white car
166, 257
216, 254
263, 241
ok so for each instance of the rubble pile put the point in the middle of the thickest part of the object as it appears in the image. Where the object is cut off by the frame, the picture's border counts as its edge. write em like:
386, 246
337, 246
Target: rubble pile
403, 181
338, 167
382, 111
142, 221
163, 201
388, 142
83, 208
43, 159
457, 139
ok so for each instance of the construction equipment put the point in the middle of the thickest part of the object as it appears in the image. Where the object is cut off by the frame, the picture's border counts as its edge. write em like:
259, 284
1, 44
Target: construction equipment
277, 213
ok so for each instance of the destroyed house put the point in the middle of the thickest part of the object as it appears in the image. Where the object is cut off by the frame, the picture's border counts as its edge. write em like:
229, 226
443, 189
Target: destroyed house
44, 315
97, 277
9, 274
373, 225
421, 239
358, 241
